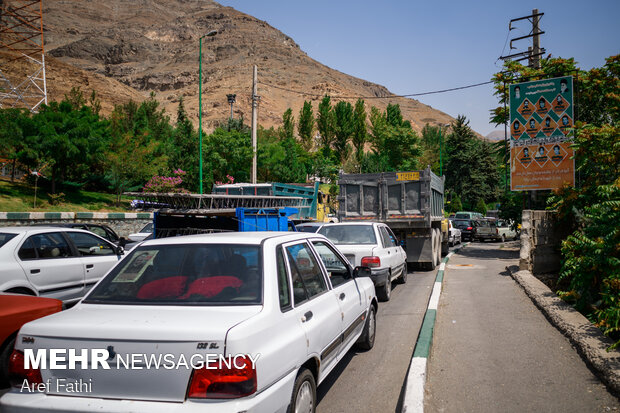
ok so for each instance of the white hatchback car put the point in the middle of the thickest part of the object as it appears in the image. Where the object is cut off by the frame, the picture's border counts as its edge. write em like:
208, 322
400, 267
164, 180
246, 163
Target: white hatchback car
279, 309
54, 262
374, 245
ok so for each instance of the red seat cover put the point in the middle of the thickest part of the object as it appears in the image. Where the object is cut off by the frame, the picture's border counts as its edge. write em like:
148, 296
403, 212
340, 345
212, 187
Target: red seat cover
212, 286
170, 287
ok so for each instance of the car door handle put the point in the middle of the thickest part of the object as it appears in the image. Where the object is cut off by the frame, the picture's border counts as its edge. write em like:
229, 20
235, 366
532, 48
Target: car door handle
35, 271
341, 296
307, 317
90, 265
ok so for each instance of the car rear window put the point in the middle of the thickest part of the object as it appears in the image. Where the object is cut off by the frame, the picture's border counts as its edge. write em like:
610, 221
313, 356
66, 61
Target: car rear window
349, 234
461, 216
187, 274
5, 237
462, 223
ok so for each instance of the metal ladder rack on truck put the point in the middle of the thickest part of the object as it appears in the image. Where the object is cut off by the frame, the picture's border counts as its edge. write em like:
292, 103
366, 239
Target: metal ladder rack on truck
186, 214
410, 203
314, 201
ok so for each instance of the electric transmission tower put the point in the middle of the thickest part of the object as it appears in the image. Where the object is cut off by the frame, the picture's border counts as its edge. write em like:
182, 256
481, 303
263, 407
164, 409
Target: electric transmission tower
22, 55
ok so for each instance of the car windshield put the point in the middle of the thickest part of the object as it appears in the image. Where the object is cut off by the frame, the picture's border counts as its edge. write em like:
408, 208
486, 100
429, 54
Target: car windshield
461, 216
147, 228
5, 237
187, 274
349, 234
485, 224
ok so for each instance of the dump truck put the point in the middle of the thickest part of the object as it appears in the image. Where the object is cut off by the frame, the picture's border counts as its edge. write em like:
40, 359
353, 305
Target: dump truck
411, 203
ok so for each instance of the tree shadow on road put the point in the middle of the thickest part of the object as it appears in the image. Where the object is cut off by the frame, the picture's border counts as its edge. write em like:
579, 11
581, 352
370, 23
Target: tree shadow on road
477, 251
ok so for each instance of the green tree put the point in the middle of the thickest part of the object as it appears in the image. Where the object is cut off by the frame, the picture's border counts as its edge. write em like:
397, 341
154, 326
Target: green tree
287, 130
184, 152
430, 146
227, 153
481, 207
130, 162
470, 166
343, 130
325, 124
455, 204
305, 127
360, 133
71, 140
395, 145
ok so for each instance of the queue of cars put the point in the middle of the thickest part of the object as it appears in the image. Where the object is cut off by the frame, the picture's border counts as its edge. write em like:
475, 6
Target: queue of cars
288, 305
473, 227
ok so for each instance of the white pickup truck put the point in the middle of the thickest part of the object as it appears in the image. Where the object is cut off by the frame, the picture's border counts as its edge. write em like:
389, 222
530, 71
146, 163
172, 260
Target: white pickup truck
496, 230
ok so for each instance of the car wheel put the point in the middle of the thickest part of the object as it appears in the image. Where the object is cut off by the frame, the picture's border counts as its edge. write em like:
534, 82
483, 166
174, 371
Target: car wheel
367, 340
403, 277
304, 393
4, 362
386, 290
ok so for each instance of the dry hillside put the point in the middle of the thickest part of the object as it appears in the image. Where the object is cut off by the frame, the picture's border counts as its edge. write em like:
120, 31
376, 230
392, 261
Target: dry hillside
126, 49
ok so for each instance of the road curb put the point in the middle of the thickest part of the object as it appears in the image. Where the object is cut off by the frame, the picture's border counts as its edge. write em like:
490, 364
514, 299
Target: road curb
588, 340
413, 400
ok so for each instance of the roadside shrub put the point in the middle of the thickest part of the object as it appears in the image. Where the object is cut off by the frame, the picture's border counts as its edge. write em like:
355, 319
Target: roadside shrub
166, 184
591, 254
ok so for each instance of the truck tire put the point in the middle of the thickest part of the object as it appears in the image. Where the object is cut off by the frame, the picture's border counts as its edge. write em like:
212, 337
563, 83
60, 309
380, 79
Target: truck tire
433, 262
438, 249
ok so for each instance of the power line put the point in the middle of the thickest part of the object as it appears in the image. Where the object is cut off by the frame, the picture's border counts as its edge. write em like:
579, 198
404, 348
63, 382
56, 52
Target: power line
379, 97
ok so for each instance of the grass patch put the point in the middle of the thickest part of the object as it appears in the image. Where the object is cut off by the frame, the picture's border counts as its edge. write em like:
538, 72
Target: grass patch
19, 197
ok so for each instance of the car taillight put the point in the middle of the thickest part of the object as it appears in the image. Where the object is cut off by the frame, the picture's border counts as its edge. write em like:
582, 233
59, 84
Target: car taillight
469, 228
18, 373
372, 262
227, 381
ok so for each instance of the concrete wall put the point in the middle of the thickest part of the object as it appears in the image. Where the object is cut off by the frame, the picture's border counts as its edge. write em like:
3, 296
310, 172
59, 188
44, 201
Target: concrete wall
541, 239
123, 223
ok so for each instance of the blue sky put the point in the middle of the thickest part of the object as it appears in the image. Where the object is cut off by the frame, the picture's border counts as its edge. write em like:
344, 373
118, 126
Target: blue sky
411, 46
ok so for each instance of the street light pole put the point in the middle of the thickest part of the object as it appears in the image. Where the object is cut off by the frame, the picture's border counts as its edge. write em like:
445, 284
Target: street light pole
211, 33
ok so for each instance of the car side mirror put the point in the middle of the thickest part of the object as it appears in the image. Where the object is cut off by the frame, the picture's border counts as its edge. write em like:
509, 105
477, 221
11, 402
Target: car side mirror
122, 241
361, 272
120, 250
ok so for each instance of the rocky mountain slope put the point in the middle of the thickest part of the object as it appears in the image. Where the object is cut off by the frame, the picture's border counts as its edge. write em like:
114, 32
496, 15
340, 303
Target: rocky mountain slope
126, 49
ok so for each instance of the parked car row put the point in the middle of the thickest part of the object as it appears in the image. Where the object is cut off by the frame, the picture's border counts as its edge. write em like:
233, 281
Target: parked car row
289, 304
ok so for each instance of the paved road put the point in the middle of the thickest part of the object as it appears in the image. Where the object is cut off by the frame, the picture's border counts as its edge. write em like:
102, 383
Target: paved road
372, 381
494, 351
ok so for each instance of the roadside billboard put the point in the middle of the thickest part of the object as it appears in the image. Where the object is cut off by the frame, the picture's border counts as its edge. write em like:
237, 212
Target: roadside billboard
541, 121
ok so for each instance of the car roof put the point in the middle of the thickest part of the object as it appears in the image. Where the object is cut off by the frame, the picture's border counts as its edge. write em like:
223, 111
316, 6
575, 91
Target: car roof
251, 238
40, 229
332, 224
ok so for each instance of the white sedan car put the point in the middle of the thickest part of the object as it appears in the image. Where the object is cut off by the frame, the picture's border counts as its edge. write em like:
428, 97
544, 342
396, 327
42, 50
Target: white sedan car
374, 245
231, 322
61, 263
454, 234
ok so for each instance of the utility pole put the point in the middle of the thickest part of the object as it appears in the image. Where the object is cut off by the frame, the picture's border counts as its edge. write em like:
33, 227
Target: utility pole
535, 40
254, 107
